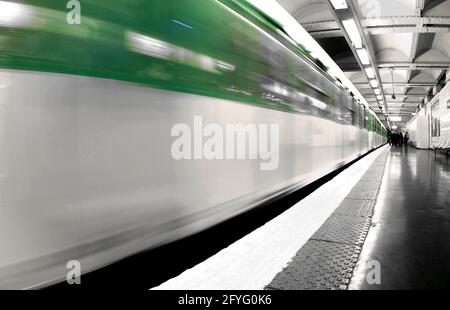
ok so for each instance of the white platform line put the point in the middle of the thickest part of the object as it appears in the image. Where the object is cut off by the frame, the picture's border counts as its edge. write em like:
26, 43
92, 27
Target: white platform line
253, 261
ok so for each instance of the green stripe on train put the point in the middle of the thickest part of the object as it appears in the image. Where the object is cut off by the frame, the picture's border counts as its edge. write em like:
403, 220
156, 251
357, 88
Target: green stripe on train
208, 47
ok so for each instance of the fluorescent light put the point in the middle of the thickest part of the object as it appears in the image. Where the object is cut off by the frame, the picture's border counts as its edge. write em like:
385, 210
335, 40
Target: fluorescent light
396, 118
370, 72
14, 14
379, 98
353, 32
374, 83
339, 4
9, 11
377, 91
363, 56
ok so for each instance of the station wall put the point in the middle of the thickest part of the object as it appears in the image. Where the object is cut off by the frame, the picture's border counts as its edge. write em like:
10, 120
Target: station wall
431, 125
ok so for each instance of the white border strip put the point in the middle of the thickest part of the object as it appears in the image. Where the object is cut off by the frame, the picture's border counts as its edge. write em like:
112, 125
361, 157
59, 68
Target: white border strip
253, 261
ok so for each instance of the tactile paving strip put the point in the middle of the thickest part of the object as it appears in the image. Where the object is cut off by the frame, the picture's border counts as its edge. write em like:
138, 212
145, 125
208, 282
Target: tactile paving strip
356, 207
319, 265
373, 184
343, 229
328, 259
372, 175
364, 191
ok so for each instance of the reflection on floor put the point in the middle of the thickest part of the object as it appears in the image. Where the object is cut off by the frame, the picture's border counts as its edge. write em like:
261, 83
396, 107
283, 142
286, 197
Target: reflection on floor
410, 235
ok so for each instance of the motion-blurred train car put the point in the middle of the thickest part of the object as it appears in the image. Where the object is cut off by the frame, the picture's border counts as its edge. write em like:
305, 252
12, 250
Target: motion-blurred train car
88, 109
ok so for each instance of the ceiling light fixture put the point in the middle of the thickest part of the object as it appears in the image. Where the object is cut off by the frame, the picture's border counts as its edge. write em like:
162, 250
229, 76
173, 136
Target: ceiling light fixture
370, 73
363, 56
339, 4
352, 31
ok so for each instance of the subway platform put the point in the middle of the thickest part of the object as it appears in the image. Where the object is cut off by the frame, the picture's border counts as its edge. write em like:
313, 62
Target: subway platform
397, 219
411, 223
388, 230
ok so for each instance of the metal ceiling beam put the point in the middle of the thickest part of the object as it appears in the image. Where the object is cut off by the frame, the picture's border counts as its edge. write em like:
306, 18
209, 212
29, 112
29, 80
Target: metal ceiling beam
326, 29
382, 25
327, 34
410, 24
401, 84
418, 26
415, 95
404, 111
413, 65
407, 20
409, 29
322, 26
420, 4
402, 107
405, 106
369, 98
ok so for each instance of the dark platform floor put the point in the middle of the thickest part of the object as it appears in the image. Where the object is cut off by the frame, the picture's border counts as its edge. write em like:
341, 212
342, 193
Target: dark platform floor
410, 233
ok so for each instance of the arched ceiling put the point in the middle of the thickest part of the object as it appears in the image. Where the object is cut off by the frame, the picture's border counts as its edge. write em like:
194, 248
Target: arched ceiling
410, 37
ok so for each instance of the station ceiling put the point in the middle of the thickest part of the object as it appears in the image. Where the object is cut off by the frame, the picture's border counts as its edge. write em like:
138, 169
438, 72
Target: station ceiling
407, 43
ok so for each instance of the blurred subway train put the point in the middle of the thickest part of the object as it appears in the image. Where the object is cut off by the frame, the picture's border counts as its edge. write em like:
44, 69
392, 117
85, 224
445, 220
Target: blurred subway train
89, 108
